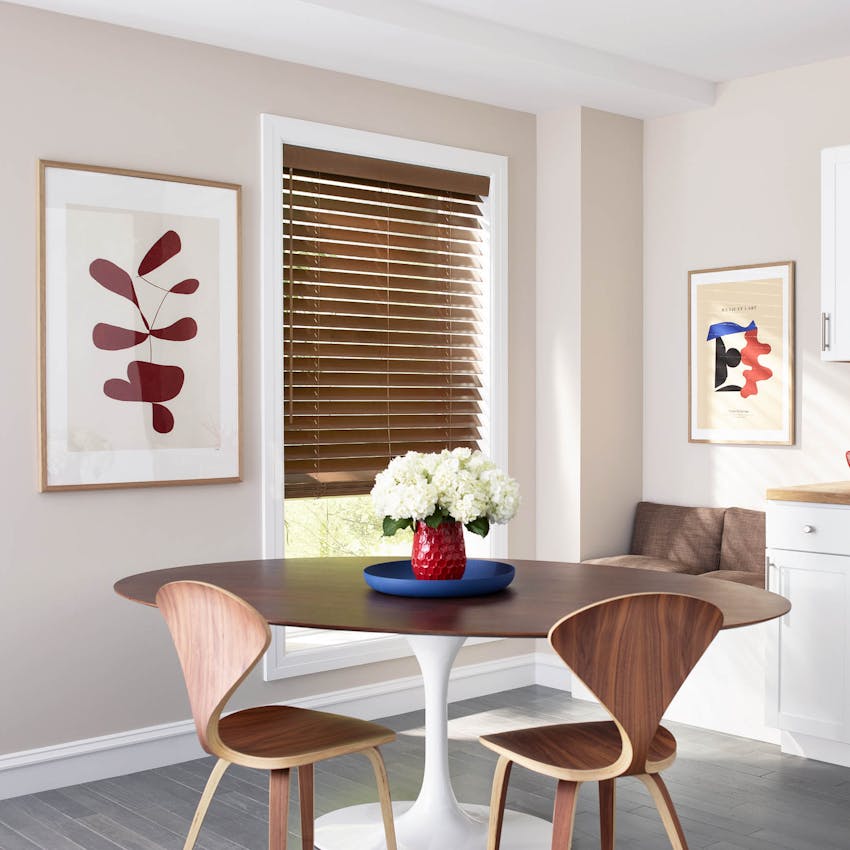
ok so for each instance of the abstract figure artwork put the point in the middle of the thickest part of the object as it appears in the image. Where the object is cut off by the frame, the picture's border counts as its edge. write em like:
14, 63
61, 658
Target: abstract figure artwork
741, 355
147, 380
139, 307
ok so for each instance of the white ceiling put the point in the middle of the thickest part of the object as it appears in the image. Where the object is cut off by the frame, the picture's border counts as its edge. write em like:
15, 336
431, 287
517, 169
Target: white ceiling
637, 57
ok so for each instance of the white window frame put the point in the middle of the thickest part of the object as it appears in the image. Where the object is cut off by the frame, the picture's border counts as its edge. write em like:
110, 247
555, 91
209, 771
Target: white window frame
275, 131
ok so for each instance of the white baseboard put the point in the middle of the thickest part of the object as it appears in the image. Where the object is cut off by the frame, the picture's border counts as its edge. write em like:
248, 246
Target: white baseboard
91, 759
819, 749
156, 746
551, 672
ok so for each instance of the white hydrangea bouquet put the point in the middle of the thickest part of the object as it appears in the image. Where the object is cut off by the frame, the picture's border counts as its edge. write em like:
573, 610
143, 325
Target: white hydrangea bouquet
457, 485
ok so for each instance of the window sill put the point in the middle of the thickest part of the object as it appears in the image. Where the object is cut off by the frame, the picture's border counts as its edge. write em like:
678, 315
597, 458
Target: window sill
369, 649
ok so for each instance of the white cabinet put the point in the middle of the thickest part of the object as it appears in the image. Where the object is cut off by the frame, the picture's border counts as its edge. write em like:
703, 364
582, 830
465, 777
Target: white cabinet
835, 253
808, 559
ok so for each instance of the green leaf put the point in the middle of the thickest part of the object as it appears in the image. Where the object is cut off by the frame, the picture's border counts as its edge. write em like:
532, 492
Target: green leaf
435, 520
391, 526
481, 526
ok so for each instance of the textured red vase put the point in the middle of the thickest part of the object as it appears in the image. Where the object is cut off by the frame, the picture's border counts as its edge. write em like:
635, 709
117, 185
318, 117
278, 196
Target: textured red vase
438, 553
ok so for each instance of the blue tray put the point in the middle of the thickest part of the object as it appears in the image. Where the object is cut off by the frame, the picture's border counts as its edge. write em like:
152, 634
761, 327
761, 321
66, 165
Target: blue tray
480, 578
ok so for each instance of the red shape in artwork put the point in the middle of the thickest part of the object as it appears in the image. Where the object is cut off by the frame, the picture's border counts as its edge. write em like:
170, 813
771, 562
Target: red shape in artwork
750, 354
180, 331
163, 419
147, 382
151, 382
113, 278
185, 287
112, 338
161, 251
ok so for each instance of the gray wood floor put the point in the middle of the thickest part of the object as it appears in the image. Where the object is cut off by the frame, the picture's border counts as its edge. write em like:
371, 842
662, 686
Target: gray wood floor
731, 793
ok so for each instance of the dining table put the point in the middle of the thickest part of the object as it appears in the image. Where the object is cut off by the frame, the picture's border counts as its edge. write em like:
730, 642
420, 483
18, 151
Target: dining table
330, 593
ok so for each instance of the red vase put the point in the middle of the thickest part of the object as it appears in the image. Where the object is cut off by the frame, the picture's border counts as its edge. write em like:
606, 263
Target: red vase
438, 553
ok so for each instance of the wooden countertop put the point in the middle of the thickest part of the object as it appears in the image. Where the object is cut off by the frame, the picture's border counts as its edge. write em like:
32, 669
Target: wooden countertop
834, 493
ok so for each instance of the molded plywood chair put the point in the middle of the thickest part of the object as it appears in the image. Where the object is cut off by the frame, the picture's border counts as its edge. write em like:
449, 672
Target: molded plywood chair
634, 653
219, 638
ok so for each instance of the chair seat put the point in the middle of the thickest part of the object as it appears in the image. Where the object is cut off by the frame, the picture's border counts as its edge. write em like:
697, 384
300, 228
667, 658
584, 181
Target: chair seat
280, 736
571, 750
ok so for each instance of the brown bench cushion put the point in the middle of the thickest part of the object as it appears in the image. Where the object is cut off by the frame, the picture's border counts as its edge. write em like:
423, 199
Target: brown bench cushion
741, 576
684, 535
743, 542
641, 562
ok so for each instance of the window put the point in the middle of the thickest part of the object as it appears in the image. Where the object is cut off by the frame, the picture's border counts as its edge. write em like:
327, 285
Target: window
383, 331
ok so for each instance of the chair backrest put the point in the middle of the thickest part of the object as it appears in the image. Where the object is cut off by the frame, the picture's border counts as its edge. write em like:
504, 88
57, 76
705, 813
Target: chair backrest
634, 653
219, 638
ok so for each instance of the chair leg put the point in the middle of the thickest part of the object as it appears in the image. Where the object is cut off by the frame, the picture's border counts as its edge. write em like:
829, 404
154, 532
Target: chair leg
661, 797
209, 789
607, 797
305, 798
377, 760
565, 814
278, 808
497, 802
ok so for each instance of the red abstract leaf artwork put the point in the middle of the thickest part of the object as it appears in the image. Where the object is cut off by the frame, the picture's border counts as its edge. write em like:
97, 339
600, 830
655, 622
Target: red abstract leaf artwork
151, 382
185, 287
160, 252
113, 278
147, 382
181, 331
112, 338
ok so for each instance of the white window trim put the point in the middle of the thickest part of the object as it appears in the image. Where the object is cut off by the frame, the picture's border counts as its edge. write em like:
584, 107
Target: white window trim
275, 131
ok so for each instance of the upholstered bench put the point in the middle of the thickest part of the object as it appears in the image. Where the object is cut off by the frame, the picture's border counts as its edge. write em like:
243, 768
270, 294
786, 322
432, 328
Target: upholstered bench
718, 543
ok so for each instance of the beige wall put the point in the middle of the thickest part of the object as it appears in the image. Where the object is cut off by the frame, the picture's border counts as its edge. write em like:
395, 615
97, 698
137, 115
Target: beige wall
734, 184
77, 661
611, 338
589, 391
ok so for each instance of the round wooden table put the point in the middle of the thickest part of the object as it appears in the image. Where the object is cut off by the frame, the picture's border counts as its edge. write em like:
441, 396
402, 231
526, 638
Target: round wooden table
329, 593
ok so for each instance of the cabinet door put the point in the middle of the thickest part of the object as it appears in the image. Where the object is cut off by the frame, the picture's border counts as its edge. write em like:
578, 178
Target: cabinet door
835, 253
813, 648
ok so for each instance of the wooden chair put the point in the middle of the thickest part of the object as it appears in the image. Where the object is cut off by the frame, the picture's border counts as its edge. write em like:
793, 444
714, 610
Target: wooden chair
219, 639
633, 653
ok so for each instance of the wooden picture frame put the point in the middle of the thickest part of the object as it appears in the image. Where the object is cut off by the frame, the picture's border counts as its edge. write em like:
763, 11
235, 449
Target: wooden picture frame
741, 355
139, 291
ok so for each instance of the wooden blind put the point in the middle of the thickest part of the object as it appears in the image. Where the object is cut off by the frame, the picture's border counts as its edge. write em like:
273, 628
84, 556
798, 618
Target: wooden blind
384, 268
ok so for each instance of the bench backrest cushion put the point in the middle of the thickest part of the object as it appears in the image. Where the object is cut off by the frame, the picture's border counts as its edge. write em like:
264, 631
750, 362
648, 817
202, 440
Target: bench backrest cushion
690, 536
743, 541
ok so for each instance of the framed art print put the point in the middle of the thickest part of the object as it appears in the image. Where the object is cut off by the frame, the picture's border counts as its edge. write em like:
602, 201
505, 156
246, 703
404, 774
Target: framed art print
139, 326
741, 355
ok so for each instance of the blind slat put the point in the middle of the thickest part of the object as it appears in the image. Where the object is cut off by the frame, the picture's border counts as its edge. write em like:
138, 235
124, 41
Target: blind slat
360, 236
333, 262
333, 322
459, 233
384, 171
386, 352
385, 254
340, 188
309, 422
378, 281
299, 460
375, 294
392, 394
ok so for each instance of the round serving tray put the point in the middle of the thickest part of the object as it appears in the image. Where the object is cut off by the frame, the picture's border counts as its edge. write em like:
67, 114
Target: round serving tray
479, 579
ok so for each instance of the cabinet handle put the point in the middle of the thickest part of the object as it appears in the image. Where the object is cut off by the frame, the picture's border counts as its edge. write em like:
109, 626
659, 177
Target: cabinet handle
824, 331
808, 529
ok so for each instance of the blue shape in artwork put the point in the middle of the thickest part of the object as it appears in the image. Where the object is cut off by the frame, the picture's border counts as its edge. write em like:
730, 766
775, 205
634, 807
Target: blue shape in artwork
724, 328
